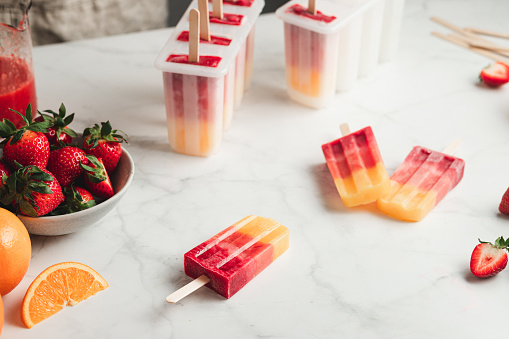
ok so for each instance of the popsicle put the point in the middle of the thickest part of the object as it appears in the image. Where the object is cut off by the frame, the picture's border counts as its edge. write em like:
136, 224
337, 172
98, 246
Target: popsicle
357, 167
194, 104
233, 257
421, 182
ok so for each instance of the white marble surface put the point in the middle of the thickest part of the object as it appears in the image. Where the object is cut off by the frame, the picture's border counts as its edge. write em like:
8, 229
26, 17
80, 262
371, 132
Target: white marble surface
349, 273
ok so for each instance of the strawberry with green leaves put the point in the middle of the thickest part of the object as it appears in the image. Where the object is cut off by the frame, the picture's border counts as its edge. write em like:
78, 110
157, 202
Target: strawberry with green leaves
489, 259
104, 142
32, 191
76, 199
27, 145
65, 162
58, 132
4, 170
97, 179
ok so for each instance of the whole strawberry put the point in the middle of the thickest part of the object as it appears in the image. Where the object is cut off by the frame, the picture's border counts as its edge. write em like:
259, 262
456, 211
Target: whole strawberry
489, 259
27, 145
504, 203
104, 142
97, 179
64, 163
31, 191
4, 170
58, 131
76, 199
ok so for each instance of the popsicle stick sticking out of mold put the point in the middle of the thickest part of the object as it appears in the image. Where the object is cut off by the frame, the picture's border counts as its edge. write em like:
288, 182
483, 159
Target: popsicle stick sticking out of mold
187, 289
452, 147
194, 35
203, 7
312, 7
345, 129
217, 9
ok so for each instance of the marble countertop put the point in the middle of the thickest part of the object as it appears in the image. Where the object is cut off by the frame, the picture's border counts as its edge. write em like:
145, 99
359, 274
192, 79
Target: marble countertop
349, 272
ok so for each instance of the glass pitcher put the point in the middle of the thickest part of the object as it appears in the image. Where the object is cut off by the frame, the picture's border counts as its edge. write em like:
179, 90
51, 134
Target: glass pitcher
17, 85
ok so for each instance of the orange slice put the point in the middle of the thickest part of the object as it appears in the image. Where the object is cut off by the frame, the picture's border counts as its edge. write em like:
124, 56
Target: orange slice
59, 285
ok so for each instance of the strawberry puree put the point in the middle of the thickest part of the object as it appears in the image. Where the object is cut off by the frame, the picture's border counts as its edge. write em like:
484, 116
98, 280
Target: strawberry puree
319, 16
205, 60
17, 89
215, 40
228, 19
244, 3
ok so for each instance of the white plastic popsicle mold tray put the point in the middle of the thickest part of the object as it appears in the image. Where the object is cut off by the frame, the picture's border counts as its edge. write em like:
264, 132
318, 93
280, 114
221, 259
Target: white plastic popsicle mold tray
359, 24
236, 33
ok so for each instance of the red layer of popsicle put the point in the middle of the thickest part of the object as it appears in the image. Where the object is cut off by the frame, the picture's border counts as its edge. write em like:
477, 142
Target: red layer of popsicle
205, 60
214, 39
302, 11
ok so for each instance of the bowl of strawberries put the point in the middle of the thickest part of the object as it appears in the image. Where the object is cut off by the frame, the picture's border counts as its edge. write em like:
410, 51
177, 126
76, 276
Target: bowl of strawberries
59, 182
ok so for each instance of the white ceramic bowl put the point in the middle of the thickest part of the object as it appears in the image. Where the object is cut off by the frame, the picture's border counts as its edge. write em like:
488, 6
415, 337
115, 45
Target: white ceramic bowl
69, 223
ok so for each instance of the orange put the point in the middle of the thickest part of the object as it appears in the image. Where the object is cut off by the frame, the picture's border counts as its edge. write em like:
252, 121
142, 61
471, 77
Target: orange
1, 315
59, 285
15, 251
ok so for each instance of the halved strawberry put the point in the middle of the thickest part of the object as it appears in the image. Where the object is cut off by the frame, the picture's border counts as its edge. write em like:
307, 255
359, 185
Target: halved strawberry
31, 191
97, 179
58, 131
489, 259
104, 142
27, 145
64, 163
495, 74
76, 199
504, 203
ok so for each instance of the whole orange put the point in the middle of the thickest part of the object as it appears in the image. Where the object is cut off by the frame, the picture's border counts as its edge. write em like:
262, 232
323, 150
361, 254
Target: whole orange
15, 251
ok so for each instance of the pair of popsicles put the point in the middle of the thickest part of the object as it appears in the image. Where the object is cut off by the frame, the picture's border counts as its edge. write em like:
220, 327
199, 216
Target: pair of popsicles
328, 49
207, 66
415, 188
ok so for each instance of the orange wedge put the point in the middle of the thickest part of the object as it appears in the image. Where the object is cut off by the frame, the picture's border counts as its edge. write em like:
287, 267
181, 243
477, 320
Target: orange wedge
59, 285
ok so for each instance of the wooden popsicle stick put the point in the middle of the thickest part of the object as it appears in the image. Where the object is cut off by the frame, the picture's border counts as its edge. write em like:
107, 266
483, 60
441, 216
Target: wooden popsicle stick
217, 9
345, 129
203, 7
486, 53
461, 31
312, 7
451, 148
481, 44
187, 289
487, 32
194, 35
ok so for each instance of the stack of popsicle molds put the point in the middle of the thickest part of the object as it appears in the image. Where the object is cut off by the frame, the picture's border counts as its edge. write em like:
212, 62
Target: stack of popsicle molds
359, 28
200, 97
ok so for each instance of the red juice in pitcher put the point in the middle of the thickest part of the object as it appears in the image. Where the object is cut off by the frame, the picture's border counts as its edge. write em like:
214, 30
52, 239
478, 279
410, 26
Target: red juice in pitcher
17, 89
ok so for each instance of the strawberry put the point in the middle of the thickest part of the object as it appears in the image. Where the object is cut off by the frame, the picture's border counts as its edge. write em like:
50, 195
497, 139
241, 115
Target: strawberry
489, 259
58, 131
4, 170
504, 203
104, 142
97, 179
27, 145
76, 199
64, 163
31, 191
495, 74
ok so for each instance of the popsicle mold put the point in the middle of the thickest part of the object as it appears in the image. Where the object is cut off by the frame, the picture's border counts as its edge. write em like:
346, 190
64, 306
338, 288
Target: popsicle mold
420, 183
357, 168
234, 256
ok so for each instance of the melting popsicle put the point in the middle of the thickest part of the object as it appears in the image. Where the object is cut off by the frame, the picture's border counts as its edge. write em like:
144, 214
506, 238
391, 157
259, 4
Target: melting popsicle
233, 257
356, 166
420, 183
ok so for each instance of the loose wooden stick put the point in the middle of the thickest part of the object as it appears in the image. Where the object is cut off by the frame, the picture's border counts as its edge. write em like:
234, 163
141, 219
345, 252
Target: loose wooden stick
487, 32
498, 49
194, 35
187, 289
203, 7
217, 9
312, 7
454, 40
345, 129
461, 31
451, 148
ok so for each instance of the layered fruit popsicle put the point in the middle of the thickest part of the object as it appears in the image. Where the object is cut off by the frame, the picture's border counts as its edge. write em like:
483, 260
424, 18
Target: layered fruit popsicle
420, 183
356, 166
194, 108
234, 256
311, 49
